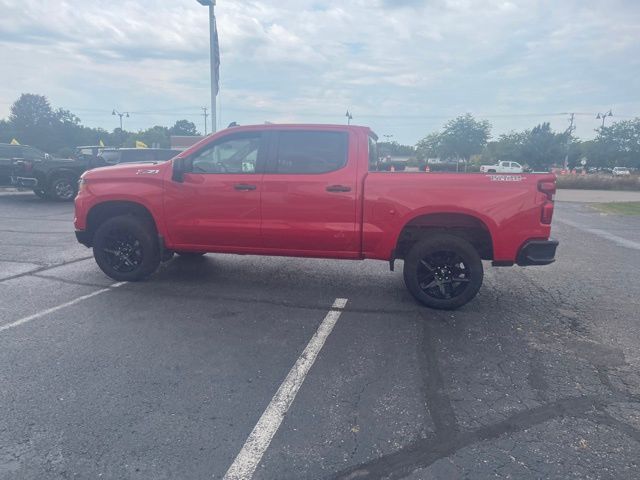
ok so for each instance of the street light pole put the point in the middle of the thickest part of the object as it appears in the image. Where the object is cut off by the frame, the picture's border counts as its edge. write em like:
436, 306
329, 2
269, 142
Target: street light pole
349, 117
120, 114
603, 116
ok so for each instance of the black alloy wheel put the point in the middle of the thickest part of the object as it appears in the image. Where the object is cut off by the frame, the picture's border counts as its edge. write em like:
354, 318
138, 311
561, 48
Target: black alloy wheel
63, 189
443, 272
123, 251
126, 248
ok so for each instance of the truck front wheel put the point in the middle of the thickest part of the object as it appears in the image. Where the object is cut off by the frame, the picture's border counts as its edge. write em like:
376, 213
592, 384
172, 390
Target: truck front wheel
63, 188
126, 248
443, 272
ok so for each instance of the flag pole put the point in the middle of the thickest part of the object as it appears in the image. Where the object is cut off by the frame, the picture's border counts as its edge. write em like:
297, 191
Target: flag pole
215, 62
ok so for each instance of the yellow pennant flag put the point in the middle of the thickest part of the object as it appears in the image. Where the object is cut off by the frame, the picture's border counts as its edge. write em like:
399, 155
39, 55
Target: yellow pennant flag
140, 144
101, 143
15, 142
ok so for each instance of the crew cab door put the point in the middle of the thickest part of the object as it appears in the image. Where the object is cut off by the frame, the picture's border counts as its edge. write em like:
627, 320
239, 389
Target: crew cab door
309, 193
217, 204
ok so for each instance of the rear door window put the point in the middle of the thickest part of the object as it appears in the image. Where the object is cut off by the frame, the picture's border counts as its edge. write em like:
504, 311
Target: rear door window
310, 152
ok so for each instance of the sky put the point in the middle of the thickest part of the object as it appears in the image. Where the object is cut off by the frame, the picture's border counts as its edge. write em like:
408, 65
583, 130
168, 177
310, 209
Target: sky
403, 67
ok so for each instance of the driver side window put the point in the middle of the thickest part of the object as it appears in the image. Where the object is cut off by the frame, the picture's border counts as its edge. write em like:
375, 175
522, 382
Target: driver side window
237, 154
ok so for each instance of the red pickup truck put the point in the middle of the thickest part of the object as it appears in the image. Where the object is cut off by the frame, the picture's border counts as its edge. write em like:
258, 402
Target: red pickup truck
313, 191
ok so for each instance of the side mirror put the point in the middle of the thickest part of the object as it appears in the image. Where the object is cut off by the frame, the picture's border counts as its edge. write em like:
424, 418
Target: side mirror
178, 170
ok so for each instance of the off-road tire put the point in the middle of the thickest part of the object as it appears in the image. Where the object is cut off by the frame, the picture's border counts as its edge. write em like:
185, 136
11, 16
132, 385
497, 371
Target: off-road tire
137, 236
63, 188
421, 268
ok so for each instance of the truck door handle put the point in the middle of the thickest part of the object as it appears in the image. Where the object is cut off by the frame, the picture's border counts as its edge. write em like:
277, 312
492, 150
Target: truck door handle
338, 188
244, 186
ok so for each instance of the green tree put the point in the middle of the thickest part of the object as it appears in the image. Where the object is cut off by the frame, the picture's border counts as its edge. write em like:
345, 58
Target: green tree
464, 136
395, 149
509, 147
543, 147
539, 148
157, 136
429, 146
32, 120
184, 127
617, 145
460, 138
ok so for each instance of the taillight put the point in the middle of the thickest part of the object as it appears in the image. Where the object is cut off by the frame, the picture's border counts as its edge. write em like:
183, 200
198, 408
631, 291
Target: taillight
549, 189
547, 212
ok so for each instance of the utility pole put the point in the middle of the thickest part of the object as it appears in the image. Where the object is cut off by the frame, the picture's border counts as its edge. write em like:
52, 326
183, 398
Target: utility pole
205, 114
120, 114
569, 131
603, 116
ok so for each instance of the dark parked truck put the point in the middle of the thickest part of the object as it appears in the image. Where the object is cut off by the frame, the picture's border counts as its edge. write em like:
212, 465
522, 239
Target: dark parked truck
313, 191
57, 178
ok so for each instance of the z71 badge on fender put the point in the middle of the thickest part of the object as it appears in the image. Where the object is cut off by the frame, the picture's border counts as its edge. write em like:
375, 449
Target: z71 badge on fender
147, 172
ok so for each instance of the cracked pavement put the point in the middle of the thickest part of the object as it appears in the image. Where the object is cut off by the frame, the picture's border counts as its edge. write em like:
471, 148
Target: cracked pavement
536, 378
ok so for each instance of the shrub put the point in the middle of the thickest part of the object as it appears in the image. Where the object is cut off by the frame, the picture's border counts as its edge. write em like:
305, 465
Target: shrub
599, 182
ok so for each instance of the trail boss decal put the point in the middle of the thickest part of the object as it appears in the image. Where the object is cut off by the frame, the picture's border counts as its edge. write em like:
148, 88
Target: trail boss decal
147, 172
505, 178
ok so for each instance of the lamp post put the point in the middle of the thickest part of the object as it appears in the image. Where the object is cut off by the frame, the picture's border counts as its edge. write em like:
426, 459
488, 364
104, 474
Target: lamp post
214, 58
120, 114
603, 116
349, 117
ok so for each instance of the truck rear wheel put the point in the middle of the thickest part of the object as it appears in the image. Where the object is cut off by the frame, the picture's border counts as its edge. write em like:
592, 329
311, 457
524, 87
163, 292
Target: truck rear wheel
126, 248
443, 272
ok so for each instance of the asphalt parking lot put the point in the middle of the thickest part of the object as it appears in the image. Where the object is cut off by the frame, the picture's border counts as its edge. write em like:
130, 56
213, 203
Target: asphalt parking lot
537, 378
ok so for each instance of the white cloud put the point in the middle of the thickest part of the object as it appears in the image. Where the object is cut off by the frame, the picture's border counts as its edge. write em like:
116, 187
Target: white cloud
402, 66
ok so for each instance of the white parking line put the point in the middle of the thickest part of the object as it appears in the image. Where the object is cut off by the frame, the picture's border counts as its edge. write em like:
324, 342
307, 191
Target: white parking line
260, 437
623, 242
58, 307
